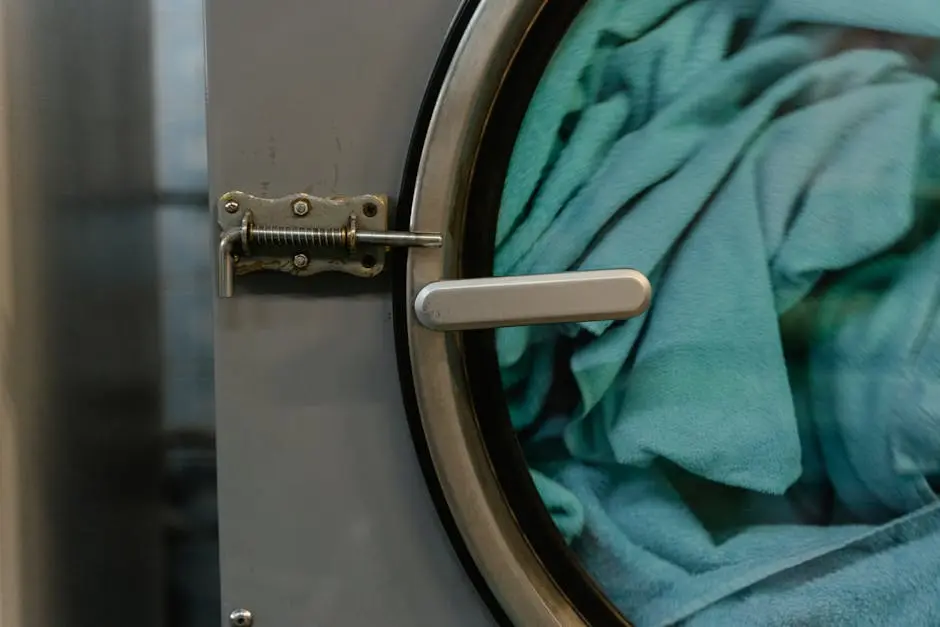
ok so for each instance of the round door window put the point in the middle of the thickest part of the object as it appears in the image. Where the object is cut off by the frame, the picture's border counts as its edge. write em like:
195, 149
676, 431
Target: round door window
762, 446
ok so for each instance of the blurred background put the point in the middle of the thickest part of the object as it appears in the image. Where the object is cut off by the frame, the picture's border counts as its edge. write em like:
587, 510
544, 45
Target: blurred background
107, 463
183, 223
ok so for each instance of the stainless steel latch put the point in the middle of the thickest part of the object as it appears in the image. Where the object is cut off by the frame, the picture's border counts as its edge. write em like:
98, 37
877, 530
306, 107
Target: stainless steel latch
305, 235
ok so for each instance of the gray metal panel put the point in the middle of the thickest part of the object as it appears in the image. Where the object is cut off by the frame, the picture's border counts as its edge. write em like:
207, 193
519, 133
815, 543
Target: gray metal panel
325, 519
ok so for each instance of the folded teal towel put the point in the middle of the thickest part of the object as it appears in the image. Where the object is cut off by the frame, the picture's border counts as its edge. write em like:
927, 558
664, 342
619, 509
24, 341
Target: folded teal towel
765, 163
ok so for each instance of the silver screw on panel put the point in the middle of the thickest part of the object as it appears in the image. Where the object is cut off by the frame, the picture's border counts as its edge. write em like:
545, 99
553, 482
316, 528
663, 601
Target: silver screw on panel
301, 261
241, 618
231, 206
301, 207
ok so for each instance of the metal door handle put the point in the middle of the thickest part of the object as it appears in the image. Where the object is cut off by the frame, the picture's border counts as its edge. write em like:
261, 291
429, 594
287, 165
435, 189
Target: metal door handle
304, 235
535, 299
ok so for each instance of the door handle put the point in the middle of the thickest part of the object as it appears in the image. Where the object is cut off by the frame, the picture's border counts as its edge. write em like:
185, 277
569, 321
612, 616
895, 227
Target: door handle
305, 235
487, 303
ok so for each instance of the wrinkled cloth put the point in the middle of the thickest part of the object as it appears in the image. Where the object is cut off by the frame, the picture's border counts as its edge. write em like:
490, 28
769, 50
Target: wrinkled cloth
759, 447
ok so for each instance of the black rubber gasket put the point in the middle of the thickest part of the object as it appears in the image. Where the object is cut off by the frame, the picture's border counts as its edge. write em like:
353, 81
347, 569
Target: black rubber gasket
486, 389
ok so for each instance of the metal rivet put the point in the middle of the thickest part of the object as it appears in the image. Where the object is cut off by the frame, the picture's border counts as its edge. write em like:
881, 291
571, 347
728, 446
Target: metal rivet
241, 618
369, 210
301, 261
301, 207
368, 261
231, 206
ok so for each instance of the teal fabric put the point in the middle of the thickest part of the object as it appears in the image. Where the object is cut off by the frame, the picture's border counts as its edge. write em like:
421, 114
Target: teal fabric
772, 166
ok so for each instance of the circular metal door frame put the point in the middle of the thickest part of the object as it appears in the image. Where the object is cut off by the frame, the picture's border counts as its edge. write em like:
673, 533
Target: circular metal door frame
510, 566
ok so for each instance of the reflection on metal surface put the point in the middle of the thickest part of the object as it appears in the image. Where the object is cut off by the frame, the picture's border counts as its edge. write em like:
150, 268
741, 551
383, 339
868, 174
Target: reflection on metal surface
504, 557
337, 227
394, 239
488, 303
107, 465
82, 532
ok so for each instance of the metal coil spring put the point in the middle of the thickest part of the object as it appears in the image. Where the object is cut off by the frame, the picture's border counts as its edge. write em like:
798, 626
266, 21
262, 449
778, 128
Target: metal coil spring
298, 237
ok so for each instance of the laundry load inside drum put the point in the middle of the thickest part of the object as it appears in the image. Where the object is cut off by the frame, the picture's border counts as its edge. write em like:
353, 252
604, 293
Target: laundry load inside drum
762, 447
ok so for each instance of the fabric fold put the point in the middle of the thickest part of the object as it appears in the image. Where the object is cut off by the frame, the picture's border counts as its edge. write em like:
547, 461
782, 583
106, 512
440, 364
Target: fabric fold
772, 166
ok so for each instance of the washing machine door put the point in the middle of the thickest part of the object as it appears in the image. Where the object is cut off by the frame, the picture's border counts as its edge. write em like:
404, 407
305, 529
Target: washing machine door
753, 441
801, 146
449, 304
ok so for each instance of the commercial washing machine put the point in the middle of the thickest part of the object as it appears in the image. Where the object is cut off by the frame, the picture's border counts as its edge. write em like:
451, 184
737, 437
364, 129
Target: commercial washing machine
525, 312
368, 467
326, 516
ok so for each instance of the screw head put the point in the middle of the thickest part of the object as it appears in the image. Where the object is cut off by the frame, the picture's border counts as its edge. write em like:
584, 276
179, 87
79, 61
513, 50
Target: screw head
241, 618
301, 261
369, 210
231, 206
301, 207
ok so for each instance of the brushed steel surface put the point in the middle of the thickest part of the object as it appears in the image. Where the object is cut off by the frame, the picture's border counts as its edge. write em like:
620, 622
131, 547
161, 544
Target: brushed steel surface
514, 572
80, 452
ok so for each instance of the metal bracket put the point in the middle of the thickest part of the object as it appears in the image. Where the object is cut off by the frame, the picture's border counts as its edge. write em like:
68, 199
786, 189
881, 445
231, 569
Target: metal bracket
305, 235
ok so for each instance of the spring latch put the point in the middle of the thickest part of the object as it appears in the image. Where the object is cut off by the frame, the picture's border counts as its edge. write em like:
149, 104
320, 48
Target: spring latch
346, 238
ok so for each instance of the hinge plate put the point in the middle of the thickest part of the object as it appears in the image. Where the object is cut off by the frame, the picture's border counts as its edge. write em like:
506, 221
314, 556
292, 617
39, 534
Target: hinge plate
370, 213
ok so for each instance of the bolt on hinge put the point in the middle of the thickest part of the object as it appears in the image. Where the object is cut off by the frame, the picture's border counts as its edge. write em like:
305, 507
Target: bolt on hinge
305, 235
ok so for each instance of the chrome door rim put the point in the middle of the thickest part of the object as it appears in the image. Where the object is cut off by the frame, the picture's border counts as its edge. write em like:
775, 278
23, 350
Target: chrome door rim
507, 562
